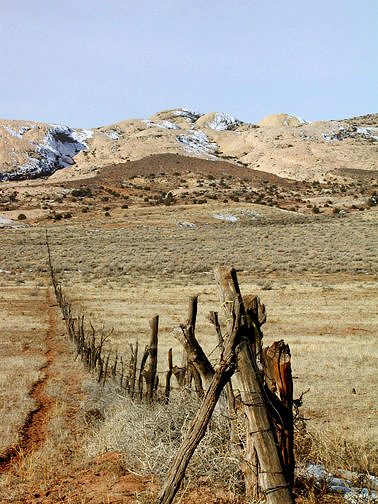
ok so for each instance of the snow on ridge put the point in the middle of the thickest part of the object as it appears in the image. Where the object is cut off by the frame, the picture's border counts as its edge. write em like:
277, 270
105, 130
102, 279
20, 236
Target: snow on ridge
20, 132
353, 132
196, 142
368, 132
113, 133
223, 121
191, 115
162, 124
60, 145
302, 121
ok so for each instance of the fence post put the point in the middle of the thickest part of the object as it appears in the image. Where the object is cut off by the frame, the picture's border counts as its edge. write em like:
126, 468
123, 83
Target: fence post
194, 352
260, 425
197, 430
150, 374
168, 376
279, 382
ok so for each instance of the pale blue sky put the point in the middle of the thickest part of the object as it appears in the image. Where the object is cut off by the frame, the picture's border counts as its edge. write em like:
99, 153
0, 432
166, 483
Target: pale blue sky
88, 63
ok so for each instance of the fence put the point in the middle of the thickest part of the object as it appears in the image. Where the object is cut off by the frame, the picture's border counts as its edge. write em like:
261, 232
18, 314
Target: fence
262, 375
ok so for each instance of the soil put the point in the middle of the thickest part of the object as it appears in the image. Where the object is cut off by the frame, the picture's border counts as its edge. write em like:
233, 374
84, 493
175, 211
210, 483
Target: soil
170, 164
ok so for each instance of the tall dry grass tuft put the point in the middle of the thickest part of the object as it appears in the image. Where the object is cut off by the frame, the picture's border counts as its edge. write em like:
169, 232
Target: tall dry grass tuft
330, 448
150, 436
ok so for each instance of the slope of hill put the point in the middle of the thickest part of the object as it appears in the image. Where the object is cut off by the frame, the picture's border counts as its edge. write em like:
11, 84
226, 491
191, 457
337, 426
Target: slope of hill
279, 144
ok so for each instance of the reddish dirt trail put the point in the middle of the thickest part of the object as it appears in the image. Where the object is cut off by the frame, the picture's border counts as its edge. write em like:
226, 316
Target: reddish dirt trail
33, 432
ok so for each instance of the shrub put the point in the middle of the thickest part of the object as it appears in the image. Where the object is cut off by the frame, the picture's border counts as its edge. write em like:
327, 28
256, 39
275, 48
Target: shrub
21, 216
82, 192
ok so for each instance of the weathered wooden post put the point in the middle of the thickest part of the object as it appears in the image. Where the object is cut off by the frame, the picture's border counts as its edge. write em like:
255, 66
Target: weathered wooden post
194, 435
168, 376
260, 425
140, 377
150, 374
133, 368
279, 384
186, 336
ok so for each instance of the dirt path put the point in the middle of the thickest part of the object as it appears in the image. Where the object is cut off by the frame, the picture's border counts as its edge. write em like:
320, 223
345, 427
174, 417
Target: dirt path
33, 432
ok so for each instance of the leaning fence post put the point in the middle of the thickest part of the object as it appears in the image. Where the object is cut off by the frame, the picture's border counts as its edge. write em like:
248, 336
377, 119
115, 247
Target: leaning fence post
140, 378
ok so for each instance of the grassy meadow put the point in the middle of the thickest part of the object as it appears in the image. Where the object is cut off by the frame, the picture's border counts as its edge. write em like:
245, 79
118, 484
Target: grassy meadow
316, 275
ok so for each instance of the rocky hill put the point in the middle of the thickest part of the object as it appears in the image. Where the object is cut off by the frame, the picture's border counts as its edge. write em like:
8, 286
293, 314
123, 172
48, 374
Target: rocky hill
279, 144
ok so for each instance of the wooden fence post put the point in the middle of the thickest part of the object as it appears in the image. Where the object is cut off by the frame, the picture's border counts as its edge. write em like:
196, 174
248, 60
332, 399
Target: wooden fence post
150, 374
197, 430
260, 425
140, 377
279, 382
168, 376
187, 338
133, 368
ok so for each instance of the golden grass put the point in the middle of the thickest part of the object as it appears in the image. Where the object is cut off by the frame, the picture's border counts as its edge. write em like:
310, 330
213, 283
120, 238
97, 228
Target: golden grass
315, 276
331, 337
22, 334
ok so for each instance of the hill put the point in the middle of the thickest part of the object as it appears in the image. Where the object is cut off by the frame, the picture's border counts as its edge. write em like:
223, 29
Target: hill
280, 144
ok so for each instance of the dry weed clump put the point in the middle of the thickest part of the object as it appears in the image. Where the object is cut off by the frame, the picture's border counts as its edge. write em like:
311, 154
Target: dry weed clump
330, 448
150, 436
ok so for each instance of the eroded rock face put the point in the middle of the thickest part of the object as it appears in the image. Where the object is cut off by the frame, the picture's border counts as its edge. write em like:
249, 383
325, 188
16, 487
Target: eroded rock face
280, 144
36, 150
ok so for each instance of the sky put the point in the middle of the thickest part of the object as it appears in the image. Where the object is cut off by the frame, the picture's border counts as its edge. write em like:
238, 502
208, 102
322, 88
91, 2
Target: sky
88, 63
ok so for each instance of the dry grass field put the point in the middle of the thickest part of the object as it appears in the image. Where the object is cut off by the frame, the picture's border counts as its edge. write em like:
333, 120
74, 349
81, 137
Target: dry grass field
316, 275
23, 328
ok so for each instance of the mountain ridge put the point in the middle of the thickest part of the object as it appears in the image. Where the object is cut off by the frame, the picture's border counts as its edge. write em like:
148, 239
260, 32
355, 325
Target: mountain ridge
280, 144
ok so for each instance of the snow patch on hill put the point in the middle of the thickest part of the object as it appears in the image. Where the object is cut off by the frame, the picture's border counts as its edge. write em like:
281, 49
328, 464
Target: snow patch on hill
190, 115
368, 132
196, 142
223, 121
60, 145
113, 133
351, 132
20, 132
162, 124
